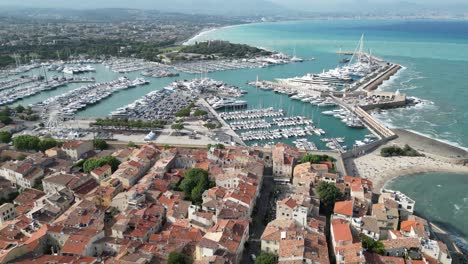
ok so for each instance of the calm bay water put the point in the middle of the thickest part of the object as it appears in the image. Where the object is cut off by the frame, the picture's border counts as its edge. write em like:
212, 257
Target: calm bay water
435, 57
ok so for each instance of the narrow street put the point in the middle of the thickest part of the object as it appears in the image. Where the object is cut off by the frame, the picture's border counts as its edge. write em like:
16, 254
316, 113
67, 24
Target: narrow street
258, 225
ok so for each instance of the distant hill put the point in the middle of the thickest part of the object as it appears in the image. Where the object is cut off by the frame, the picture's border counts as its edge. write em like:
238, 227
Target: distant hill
212, 7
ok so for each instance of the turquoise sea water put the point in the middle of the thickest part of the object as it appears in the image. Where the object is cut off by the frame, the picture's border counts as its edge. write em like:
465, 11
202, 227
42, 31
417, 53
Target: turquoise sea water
435, 57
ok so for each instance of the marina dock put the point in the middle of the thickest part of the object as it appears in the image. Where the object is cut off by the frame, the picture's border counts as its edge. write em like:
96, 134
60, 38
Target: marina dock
226, 126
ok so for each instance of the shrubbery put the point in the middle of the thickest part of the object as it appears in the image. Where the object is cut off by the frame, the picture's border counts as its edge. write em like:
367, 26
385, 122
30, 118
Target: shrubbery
394, 151
125, 122
316, 159
224, 49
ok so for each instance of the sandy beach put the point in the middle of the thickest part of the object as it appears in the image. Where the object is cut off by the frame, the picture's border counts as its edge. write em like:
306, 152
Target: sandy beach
198, 35
381, 170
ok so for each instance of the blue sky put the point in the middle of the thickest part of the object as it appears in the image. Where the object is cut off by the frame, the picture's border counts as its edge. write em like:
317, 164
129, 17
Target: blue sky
304, 5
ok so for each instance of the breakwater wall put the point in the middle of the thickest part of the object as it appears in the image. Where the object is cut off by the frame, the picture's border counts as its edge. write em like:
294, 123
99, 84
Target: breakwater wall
379, 79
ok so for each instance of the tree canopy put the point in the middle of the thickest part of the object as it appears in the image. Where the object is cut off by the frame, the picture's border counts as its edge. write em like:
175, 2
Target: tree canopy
6, 119
225, 49
19, 109
210, 125
216, 146
266, 258
93, 163
195, 182
131, 144
199, 112
47, 143
100, 143
5, 137
184, 112
397, 151
177, 126
26, 142
328, 194
372, 245
315, 159
178, 258
125, 122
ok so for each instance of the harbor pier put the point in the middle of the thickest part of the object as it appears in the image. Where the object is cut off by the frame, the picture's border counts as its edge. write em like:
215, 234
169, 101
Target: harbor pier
380, 78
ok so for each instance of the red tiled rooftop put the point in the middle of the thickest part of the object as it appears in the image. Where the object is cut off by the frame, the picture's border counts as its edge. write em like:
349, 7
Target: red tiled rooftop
101, 170
291, 203
344, 208
341, 231
73, 144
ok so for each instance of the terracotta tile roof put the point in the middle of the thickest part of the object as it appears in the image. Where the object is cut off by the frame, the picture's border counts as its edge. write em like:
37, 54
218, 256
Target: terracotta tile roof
344, 208
408, 225
47, 259
205, 165
319, 167
402, 243
356, 187
291, 203
76, 244
28, 196
378, 259
74, 144
101, 170
328, 163
352, 253
341, 231
291, 248
227, 234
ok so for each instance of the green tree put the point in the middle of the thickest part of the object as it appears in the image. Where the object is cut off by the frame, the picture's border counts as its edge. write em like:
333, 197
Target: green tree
197, 193
210, 126
21, 157
47, 143
178, 258
177, 127
131, 144
220, 146
5, 111
100, 143
199, 112
266, 258
315, 159
112, 161
372, 245
29, 110
183, 112
26, 142
6, 120
19, 109
195, 182
328, 194
93, 163
5, 137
